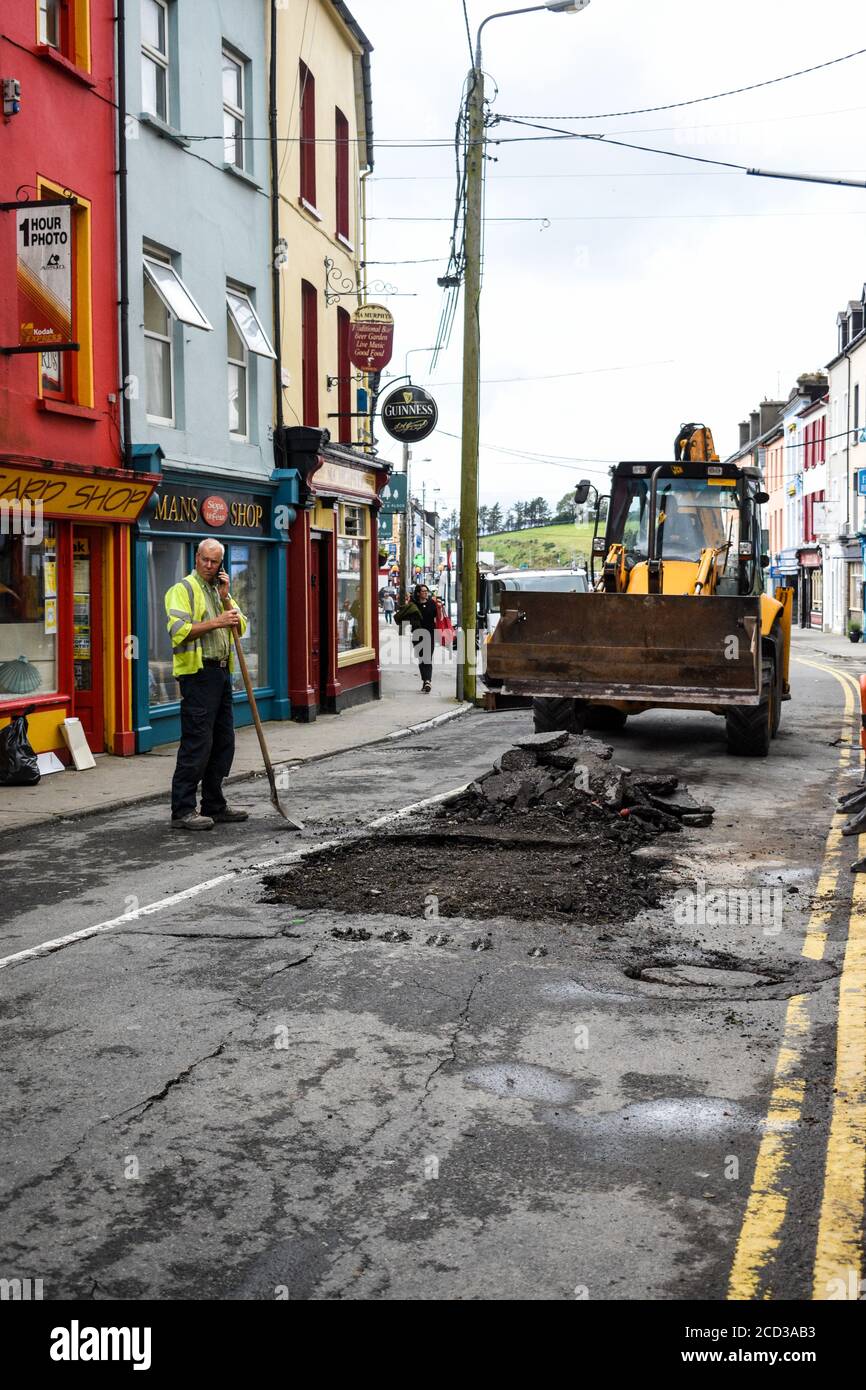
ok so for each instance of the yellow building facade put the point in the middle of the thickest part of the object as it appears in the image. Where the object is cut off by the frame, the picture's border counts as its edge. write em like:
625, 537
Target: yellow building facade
324, 143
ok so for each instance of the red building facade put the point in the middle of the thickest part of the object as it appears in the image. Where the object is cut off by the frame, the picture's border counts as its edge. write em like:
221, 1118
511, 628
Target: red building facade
333, 576
67, 503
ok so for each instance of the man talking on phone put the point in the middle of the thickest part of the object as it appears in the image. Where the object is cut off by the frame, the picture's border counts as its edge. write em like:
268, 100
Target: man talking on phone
202, 616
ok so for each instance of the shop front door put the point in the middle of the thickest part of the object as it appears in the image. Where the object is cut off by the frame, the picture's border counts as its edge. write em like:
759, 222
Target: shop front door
315, 618
87, 648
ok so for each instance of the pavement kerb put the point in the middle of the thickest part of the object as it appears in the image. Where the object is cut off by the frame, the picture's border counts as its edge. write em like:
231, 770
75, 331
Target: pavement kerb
124, 803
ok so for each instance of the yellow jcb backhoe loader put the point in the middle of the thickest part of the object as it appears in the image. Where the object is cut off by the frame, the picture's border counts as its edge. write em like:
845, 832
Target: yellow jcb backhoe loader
677, 616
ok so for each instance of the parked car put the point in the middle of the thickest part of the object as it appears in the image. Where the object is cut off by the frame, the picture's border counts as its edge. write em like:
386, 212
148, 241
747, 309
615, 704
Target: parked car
545, 581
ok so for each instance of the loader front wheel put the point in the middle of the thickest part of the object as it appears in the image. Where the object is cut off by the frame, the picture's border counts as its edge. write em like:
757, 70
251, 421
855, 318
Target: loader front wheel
750, 727
551, 715
603, 717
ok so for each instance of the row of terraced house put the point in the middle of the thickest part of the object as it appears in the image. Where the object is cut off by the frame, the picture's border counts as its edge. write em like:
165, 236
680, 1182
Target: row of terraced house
210, 160
808, 448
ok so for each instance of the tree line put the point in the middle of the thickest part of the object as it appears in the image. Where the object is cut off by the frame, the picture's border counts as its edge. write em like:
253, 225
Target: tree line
537, 511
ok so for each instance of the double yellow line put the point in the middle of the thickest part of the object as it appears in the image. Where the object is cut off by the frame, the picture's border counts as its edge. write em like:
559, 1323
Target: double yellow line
838, 1255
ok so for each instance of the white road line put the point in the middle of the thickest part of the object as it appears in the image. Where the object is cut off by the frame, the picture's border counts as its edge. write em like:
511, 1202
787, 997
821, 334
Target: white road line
46, 948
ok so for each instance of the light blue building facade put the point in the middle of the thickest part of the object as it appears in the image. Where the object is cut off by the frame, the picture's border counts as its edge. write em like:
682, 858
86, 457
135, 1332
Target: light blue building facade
201, 380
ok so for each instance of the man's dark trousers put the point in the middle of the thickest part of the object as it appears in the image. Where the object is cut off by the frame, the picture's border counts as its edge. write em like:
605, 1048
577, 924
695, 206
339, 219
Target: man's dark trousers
207, 741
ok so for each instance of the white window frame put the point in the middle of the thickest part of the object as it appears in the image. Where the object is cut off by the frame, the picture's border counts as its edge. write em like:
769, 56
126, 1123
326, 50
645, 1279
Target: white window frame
243, 363
237, 113
160, 338
173, 292
160, 60
243, 305
50, 9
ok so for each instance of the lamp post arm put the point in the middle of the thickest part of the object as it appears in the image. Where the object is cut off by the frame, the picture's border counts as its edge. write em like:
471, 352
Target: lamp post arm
500, 14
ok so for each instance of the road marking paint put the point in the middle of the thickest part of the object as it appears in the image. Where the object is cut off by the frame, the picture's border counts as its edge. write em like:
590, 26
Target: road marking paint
46, 948
760, 1233
840, 1226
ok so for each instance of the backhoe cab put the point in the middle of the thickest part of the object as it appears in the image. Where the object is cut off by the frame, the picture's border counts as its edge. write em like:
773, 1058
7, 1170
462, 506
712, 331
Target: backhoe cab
677, 616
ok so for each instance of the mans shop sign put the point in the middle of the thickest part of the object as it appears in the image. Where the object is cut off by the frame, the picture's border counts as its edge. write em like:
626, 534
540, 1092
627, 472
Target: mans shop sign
207, 513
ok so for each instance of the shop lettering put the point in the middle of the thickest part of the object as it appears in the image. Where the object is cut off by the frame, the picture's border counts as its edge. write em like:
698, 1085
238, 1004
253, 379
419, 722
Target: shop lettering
103, 498
414, 408
177, 508
30, 489
245, 514
43, 231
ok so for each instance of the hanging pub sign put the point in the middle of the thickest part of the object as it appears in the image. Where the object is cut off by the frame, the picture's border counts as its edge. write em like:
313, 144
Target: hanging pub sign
371, 337
44, 243
393, 494
409, 414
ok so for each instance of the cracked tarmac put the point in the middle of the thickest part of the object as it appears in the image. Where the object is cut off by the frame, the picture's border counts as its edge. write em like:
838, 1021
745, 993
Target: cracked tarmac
224, 1100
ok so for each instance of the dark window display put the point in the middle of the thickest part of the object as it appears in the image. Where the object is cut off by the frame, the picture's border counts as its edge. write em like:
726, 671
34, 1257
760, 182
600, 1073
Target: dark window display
28, 614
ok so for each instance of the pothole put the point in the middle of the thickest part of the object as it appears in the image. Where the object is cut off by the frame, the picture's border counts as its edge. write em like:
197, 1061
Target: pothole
523, 1081
703, 975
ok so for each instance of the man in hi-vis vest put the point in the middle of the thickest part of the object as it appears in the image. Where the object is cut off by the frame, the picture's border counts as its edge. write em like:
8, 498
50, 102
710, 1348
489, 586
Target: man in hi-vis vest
201, 635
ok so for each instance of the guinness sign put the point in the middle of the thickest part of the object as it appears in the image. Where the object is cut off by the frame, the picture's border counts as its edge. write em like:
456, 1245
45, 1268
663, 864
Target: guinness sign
409, 414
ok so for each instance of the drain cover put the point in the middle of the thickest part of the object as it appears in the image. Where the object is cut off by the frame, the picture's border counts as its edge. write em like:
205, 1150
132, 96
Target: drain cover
703, 975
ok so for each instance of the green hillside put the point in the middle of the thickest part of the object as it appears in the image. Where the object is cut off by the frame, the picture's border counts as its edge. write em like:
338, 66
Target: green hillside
540, 547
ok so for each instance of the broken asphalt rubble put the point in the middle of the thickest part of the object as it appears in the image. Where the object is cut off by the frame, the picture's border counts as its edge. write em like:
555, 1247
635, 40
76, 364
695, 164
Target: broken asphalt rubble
555, 831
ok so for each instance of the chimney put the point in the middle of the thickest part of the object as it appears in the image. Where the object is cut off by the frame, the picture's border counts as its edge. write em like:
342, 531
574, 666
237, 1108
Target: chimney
744, 433
770, 412
754, 424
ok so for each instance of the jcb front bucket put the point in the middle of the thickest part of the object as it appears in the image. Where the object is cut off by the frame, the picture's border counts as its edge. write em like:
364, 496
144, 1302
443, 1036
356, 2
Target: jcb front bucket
652, 649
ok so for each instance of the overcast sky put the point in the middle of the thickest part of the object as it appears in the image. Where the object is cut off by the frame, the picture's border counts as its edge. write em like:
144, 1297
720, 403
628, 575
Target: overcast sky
672, 291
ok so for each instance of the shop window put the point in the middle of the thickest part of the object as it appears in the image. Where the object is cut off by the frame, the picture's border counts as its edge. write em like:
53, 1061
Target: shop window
307, 89
247, 566
154, 59
234, 110
167, 562
170, 560
310, 353
817, 591
28, 614
855, 589
341, 131
352, 579
68, 376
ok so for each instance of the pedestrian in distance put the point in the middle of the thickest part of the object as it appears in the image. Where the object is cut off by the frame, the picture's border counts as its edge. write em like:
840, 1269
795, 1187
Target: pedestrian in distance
420, 613
202, 617
388, 606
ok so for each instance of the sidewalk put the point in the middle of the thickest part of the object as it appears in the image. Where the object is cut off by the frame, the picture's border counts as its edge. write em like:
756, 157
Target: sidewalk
125, 781
828, 644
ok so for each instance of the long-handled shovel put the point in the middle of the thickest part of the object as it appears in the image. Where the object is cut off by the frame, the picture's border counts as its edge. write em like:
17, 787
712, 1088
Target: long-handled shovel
248, 686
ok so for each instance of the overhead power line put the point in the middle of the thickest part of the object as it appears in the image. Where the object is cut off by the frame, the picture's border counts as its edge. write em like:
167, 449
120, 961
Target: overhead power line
697, 101
691, 158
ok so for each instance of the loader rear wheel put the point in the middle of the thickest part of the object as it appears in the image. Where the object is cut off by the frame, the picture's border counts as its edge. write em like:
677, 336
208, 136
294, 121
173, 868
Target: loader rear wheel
603, 717
551, 715
750, 727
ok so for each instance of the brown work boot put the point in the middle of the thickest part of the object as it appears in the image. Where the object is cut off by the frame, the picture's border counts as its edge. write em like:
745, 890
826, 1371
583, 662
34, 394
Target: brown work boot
191, 821
228, 816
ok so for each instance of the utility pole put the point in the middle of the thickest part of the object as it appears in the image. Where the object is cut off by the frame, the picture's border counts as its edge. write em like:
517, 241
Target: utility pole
466, 672
407, 521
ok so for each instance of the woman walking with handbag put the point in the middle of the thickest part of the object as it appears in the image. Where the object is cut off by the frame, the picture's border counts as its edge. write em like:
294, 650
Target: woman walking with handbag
420, 613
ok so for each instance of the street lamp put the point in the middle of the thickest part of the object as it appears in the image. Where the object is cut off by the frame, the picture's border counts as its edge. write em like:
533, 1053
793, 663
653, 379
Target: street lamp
466, 671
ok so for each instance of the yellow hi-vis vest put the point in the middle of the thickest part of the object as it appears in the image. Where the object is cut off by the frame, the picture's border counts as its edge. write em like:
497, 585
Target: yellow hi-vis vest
185, 605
